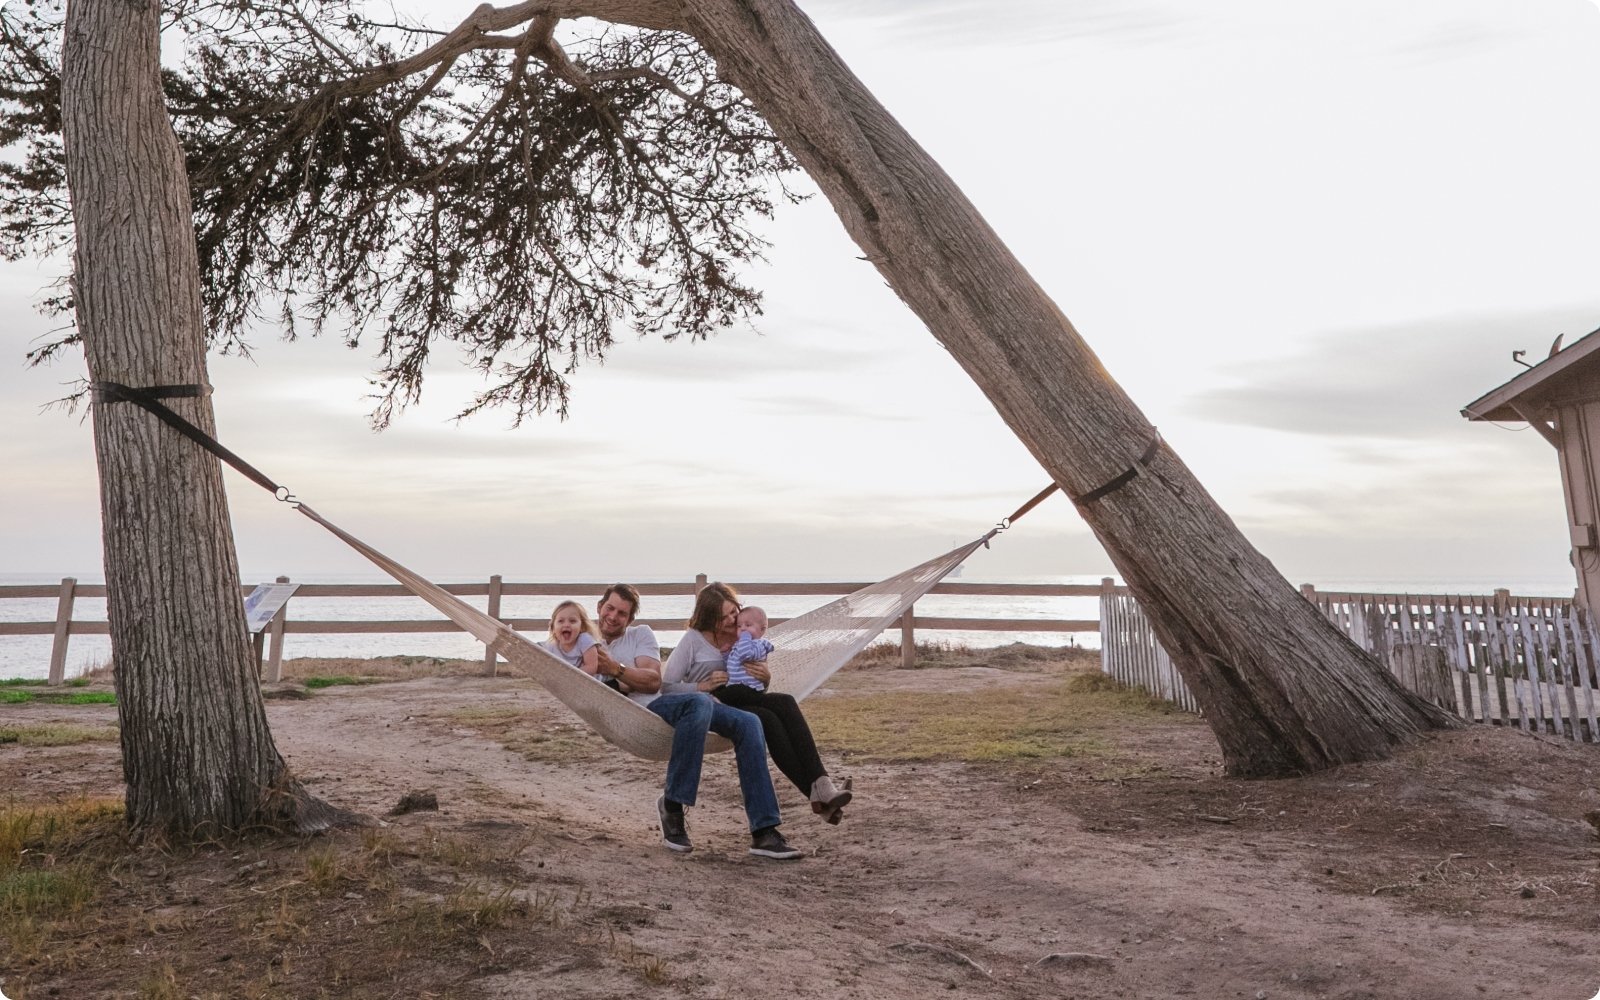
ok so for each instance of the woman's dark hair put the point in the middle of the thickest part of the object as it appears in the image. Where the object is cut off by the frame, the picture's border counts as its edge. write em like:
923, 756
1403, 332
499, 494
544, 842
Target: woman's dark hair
707, 612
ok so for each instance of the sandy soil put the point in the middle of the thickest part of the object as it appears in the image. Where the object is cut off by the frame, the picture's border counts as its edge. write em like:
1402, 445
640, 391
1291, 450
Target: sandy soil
1462, 869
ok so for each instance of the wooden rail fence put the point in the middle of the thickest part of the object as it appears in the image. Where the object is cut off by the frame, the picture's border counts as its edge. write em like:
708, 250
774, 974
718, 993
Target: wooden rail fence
65, 626
1532, 662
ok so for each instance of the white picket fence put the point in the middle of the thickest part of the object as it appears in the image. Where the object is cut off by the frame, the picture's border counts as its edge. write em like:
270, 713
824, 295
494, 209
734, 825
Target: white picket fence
1500, 659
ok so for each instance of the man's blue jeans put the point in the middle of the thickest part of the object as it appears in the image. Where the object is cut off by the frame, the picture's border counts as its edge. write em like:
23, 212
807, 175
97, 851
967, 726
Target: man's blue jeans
691, 715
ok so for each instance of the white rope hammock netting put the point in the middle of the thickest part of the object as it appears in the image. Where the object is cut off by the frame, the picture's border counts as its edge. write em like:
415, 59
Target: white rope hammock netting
810, 648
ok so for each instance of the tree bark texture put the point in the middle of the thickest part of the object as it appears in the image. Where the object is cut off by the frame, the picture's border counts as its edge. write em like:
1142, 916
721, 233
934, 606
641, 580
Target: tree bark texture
197, 754
1284, 691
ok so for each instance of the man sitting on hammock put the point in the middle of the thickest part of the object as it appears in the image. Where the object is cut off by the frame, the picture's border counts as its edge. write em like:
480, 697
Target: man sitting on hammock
631, 657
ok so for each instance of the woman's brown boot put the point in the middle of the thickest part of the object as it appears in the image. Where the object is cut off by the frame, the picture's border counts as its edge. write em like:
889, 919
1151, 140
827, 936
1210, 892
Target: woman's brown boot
828, 801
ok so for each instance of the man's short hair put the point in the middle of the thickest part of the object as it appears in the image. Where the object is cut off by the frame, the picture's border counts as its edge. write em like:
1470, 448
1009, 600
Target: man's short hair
628, 593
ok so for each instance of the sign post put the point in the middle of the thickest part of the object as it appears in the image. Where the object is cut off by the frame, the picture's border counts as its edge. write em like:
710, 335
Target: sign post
266, 606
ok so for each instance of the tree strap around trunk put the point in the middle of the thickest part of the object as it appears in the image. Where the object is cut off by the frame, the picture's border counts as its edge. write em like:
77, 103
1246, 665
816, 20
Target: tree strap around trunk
1123, 479
150, 398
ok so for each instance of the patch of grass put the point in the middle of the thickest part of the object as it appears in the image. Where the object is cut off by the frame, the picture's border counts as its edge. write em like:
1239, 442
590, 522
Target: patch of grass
22, 682
44, 892
1018, 657
386, 668
100, 670
462, 915
888, 653
57, 735
535, 734
1066, 719
649, 966
322, 870
45, 829
339, 680
82, 698
162, 984
475, 906
371, 913
78, 682
13, 696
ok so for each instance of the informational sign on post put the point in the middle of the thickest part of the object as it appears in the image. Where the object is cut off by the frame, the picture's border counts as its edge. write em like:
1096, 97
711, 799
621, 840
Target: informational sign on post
264, 602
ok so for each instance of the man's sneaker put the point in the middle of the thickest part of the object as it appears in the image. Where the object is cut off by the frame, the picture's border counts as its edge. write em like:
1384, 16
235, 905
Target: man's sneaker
674, 831
769, 843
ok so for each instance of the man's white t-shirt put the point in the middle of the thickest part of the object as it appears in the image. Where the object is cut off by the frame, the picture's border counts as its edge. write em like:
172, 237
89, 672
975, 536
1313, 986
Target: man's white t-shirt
634, 642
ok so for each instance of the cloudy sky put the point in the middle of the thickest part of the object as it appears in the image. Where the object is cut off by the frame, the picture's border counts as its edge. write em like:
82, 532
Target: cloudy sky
1301, 235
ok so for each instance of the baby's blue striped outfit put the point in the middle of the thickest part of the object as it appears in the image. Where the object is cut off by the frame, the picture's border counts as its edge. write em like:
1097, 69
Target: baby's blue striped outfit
746, 649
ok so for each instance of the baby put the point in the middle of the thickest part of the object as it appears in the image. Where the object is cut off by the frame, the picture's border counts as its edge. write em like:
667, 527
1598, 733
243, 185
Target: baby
751, 646
572, 637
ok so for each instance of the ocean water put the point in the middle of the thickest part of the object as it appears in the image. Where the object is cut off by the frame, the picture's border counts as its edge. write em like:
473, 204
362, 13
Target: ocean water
29, 656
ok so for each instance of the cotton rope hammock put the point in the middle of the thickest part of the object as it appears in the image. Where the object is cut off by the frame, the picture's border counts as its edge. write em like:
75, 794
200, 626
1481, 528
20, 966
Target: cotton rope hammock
810, 648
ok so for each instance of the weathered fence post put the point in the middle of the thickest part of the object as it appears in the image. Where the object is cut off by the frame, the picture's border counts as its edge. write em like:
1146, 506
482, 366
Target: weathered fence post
490, 660
1108, 591
275, 654
699, 583
58, 648
908, 639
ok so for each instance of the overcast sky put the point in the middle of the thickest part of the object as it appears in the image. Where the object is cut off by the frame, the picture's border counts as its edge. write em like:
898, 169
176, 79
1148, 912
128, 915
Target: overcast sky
1301, 235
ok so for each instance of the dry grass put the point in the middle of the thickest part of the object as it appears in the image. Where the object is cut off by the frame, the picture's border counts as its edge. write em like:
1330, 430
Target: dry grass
1018, 657
535, 733
383, 668
1066, 718
44, 830
398, 911
57, 735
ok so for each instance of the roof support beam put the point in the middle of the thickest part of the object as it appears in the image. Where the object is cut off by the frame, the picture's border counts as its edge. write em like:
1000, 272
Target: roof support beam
1545, 428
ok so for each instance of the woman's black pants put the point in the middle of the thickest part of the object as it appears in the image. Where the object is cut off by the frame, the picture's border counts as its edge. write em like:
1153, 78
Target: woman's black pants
788, 735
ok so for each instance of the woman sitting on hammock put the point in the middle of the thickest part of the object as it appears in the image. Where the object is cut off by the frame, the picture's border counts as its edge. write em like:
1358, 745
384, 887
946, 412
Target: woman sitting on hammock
698, 663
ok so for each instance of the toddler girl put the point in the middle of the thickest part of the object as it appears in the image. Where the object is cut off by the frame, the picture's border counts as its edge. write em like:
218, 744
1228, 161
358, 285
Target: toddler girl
572, 637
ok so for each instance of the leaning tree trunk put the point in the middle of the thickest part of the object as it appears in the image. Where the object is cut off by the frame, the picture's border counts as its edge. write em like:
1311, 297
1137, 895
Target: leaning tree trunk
196, 752
1284, 690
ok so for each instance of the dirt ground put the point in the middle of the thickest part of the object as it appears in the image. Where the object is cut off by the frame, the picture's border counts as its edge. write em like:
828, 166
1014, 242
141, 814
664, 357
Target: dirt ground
1111, 860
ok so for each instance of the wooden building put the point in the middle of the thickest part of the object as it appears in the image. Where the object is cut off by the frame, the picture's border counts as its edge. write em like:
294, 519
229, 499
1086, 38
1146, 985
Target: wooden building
1560, 398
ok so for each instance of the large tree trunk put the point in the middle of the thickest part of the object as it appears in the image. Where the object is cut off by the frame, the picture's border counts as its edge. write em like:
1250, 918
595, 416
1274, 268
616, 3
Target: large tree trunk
197, 754
1284, 691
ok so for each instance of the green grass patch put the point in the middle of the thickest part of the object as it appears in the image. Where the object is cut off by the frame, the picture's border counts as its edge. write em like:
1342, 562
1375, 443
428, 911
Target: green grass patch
339, 680
12, 696
44, 892
57, 735
81, 698
1072, 718
21, 682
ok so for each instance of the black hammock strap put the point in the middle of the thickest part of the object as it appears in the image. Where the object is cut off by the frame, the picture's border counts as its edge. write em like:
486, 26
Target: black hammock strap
150, 398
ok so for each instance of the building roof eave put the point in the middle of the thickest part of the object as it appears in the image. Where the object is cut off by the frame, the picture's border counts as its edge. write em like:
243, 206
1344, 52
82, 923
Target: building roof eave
1530, 387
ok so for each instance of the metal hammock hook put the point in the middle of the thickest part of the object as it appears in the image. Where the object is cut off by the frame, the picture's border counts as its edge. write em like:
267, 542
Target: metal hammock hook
284, 496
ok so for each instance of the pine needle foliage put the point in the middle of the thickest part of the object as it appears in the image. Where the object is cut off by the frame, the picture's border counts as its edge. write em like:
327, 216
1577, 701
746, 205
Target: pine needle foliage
521, 190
